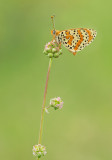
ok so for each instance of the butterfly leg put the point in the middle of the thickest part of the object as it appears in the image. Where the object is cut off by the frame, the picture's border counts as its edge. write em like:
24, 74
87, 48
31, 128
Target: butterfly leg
59, 44
53, 38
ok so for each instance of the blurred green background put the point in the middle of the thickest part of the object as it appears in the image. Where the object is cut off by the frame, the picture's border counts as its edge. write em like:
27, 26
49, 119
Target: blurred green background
82, 130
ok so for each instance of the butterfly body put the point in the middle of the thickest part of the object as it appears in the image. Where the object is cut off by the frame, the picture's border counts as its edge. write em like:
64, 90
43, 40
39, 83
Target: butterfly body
74, 39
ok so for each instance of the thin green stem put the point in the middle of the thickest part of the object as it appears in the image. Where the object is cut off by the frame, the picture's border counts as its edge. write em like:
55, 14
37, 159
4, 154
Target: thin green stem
44, 101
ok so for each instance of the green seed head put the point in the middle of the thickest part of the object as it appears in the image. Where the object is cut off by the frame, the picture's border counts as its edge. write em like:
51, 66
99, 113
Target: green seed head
52, 49
39, 150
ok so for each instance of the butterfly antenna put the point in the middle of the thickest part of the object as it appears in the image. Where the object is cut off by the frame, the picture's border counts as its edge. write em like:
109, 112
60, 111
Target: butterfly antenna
52, 17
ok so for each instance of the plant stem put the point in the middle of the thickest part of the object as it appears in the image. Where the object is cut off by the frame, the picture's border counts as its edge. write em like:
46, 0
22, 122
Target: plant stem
44, 101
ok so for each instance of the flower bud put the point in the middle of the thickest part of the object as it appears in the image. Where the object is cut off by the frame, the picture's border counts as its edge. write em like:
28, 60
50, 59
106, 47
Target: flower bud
56, 55
56, 103
54, 50
48, 50
50, 55
45, 52
39, 150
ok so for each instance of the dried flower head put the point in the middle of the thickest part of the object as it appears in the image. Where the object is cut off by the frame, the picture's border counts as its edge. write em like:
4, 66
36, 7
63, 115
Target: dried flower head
39, 150
52, 49
56, 103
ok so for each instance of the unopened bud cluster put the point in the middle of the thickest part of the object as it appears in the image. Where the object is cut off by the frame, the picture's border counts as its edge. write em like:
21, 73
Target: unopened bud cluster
52, 49
39, 151
56, 103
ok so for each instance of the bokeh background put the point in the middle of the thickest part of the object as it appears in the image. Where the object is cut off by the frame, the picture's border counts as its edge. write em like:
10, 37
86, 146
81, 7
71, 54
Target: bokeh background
82, 130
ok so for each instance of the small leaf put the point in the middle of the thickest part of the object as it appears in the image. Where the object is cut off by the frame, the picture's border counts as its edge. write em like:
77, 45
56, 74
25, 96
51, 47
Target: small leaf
46, 110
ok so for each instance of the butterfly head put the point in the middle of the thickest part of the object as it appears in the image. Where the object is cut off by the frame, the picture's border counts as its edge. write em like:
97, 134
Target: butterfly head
55, 32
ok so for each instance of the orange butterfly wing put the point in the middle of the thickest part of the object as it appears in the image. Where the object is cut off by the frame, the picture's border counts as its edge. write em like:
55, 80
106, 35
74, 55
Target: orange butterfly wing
76, 39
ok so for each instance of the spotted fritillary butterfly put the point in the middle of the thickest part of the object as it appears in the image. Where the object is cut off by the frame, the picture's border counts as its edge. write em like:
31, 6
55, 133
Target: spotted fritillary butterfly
74, 39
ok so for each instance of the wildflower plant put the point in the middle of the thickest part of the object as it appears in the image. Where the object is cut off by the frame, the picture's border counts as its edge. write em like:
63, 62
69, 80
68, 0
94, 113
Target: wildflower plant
51, 50
74, 40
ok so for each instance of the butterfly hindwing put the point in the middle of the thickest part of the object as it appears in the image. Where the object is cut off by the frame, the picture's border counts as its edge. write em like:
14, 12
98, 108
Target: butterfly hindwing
76, 39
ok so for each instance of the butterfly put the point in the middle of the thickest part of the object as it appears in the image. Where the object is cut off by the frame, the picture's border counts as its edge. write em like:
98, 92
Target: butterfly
73, 39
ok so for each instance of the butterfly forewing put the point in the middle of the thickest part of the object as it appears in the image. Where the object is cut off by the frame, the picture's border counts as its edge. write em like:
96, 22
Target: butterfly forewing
76, 39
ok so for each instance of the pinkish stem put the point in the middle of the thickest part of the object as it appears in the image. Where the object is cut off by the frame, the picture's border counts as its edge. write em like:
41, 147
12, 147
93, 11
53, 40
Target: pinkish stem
44, 101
